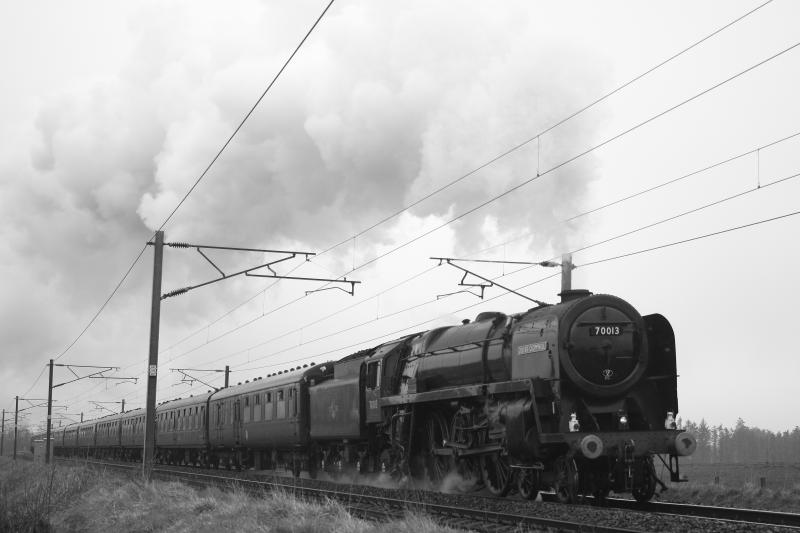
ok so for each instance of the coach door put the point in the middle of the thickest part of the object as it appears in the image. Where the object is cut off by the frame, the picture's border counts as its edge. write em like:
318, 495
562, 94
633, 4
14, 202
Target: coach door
372, 391
237, 421
219, 421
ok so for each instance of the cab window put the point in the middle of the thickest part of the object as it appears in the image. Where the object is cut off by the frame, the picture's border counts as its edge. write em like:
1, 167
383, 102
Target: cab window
373, 375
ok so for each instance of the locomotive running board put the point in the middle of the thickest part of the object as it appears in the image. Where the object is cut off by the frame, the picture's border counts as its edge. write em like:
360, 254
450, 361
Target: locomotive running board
470, 391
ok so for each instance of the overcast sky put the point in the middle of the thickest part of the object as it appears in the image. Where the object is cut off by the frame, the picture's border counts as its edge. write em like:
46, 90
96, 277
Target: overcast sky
111, 111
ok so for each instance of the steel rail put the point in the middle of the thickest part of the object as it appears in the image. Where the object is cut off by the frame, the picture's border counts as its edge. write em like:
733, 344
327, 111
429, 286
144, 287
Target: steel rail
753, 516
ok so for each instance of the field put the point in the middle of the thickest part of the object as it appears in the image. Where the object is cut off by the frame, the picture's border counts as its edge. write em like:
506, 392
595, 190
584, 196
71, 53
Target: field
36, 498
776, 475
739, 485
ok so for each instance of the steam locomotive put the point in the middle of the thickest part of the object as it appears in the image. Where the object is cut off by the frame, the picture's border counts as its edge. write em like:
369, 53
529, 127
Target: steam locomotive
579, 397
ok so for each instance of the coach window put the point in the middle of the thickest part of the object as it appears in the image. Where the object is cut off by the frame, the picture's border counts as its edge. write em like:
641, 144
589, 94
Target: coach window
247, 408
281, 403
257, 407
293, 401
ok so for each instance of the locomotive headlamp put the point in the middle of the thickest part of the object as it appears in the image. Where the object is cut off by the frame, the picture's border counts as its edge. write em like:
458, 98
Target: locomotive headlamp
670, 423
574, 425
623, 420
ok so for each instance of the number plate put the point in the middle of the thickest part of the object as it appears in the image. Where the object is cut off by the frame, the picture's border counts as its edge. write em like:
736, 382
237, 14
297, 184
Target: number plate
606, 330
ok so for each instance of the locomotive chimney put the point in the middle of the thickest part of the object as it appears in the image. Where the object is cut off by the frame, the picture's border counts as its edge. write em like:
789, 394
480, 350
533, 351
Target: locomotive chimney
567, 293
566, 273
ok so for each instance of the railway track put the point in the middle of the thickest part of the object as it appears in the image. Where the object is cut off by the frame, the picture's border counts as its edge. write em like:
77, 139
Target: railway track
745, 516
359, 501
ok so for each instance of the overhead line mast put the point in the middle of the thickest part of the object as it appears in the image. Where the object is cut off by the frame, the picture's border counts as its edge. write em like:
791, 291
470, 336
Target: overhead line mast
155, 318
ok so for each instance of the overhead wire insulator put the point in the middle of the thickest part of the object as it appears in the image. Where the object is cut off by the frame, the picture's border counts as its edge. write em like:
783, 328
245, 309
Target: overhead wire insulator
549, 264
178, 244
176, 292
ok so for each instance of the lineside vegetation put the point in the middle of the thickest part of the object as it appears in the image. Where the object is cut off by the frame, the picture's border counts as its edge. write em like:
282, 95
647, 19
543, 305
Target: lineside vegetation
37, 498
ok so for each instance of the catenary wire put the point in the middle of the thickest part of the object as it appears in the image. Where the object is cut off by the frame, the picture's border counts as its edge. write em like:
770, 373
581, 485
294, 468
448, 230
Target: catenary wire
604, 241
689, 212
691, 239
550, 128
572, 218
589, 263
309, 324
499, 156
718, 202
575, 157
651, 189
774, 56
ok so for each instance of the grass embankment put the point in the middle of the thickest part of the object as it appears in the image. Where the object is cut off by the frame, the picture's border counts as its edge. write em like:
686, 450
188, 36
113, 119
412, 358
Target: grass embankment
41, 499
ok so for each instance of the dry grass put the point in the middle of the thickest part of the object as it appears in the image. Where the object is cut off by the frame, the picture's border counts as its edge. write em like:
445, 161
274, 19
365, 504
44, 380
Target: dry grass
30, 492
738, 485
747, 496
35, 498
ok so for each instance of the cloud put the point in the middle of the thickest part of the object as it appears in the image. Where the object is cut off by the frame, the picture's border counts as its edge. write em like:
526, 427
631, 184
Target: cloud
375, 112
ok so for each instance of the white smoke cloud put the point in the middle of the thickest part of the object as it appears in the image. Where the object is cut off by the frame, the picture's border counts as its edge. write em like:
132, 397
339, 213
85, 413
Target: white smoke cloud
383, 104
369, 117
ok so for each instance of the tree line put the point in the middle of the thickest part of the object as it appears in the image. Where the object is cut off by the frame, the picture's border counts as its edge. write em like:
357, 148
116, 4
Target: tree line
743, 444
